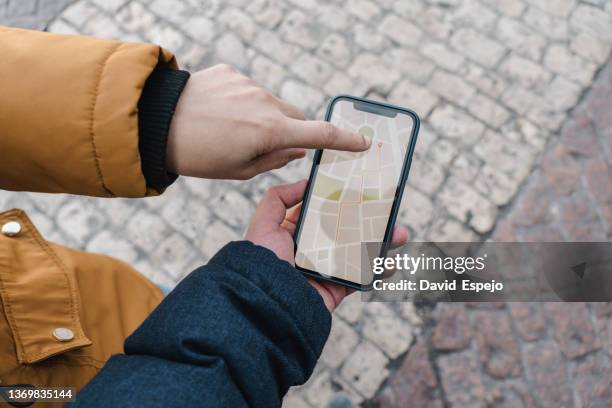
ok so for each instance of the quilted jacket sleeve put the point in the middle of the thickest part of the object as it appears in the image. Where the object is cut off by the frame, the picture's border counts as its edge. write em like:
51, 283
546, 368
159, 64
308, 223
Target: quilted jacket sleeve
69, 113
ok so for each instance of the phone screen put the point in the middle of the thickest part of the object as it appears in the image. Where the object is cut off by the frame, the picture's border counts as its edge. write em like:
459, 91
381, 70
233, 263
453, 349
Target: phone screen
352, 194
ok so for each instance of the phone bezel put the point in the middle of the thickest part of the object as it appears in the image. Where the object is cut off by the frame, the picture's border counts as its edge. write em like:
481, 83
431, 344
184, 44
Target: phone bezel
399, 191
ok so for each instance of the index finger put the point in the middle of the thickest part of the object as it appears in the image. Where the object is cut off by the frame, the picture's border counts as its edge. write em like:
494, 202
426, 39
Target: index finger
318, 134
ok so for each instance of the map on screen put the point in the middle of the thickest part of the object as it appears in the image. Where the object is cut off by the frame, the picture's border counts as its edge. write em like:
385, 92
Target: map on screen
352, 194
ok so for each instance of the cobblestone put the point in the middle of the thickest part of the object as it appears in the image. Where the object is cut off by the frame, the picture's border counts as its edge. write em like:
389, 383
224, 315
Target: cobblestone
455, 124
521, 38
341, 343
110, 6
434, 23
431, 176
334, 49
449, 230
81, 219
302, 96
409, 63
593, 21
298, 29
146, 230
203, 30
367, 38
572, 327
108, 243
590, 48
322, 387
391, 334
270, 43
489, 111
560, 60
494, 94
401, 31
366, 369
134, 17
451, 87
334, 17
174, 255
465, 167
558, 8
490, 83
407, 93
465, 12
463, 390
528, 320
162, 34
499, 350
230, 49
187, 216
444, 152
267, 72
550, 26
545, 344
512, 158
562, 94
61, 27
464, 203
217, 235
78, 14
237, 21
312, 69
30, 13
363, 9
351, 310
593, 383
443, 56
477, 47
170, 10
22, 8
377, 76
420, 212
547, 375
318, 389
407, 389
452, 331
525, 73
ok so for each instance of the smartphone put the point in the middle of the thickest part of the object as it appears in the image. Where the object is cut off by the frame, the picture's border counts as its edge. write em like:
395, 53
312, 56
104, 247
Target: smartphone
353, 198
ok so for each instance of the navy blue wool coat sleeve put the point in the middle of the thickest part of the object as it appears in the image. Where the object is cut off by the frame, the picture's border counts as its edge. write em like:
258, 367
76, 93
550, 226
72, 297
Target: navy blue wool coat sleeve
236, 332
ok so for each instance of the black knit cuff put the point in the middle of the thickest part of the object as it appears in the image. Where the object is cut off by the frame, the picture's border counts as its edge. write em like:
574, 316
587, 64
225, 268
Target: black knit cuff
155, 109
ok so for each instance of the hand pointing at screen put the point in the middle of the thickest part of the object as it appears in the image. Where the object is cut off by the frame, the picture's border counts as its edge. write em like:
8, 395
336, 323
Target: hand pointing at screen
227, 126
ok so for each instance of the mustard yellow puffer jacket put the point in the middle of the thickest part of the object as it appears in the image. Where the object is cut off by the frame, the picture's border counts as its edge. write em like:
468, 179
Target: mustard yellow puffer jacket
68, 124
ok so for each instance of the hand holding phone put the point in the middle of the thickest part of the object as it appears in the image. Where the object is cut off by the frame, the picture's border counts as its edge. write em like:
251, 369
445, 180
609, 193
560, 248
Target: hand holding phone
273, 227
353, 198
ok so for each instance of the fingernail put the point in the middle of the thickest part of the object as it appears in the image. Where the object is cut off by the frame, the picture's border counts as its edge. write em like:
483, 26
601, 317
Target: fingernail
367, 141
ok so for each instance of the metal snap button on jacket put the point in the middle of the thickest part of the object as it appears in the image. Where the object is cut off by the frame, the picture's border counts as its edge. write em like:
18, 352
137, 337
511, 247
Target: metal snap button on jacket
63, 334
11, 229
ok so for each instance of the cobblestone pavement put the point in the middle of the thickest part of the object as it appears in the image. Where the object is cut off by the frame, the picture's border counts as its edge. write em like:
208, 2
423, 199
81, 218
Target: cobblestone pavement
569, 196
529, 354
34, 14
493, 81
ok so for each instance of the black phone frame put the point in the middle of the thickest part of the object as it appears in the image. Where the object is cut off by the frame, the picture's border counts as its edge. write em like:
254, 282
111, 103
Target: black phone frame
399, 191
